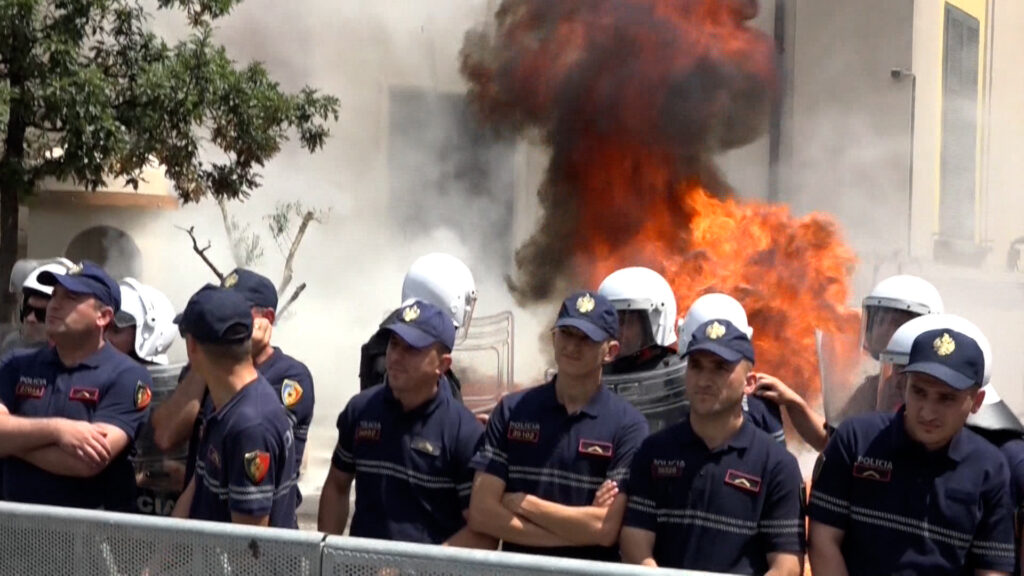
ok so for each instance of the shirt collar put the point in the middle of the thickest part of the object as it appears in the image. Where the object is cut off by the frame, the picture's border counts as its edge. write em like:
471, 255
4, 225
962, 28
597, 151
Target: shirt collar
594, 408
92, 361
425, 409
740, 440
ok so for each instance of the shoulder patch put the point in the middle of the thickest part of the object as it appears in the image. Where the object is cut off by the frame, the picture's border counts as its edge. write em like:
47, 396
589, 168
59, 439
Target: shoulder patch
291, 393
257, 464
143, 396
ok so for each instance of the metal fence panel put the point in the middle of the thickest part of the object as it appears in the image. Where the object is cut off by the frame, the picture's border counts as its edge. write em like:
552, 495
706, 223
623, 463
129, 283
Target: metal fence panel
347, 556
49, 541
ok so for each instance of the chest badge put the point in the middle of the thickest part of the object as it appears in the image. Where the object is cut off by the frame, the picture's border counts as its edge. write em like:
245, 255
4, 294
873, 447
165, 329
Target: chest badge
528, 432
257, 464
291, 393
743, 481
86, 395
426, 446
30, 389
143, 396
667, 468
595, 448
872, 469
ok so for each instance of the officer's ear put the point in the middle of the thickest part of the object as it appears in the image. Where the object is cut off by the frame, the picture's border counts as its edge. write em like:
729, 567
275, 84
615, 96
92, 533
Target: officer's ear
105, 316
444, 361
750, 380
611, 351
979, 398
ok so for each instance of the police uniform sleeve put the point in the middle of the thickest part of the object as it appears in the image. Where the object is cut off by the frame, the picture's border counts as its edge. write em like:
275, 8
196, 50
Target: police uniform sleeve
467, 444
9, 371
629, 438
641, 508
781, 526
297, 395
993, 545
830, 490
125, 403
251, 458
342, 459
492, 457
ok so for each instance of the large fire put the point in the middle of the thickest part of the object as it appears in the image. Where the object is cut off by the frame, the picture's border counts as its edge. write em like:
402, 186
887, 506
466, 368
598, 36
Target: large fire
634, 98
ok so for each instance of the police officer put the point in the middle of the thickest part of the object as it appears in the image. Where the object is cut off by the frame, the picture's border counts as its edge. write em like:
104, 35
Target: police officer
246, 467
144, 326
184, 411
647, 338
713, 492
442, 280
913, 492
760, 411
407, 444
547, 450
35, 296
71, 412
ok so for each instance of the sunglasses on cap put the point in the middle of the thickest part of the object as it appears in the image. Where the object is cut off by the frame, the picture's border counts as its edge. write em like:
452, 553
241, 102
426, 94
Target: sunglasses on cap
38, 313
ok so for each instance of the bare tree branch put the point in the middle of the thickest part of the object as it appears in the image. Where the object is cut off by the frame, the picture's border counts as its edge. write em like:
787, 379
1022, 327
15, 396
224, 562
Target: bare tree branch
201, 251
291, 299
286, 276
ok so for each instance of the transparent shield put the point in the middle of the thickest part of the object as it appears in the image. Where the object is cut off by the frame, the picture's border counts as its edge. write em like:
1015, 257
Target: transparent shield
467, 318
159, 475
483, 361
849, 377
892, 387
660, 395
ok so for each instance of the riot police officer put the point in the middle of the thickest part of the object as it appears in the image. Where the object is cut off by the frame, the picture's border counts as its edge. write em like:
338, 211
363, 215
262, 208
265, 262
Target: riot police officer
648, 370
144, 326
35, 296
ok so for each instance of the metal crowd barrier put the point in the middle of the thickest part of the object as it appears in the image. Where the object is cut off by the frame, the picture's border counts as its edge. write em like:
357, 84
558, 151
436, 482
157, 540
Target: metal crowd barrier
49, 541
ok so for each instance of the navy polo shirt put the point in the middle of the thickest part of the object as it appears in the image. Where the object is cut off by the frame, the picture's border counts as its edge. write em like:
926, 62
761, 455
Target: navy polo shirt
534, 446
1013, 451
909, 511
412, 473
107, 387
246, 460
720, 511
294, 386
765, 415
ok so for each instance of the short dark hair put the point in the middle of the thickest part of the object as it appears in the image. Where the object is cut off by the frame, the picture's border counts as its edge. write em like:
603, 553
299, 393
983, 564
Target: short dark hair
232, 353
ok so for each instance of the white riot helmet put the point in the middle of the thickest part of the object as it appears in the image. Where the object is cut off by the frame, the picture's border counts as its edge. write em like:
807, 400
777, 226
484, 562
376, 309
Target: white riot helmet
713, 306
56, 265
644, 290
891, 303
153, 317
446, 282
897, 354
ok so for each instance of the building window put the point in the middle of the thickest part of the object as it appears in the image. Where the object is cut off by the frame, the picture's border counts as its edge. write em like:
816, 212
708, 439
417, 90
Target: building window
960, 86
447, 172
111, 248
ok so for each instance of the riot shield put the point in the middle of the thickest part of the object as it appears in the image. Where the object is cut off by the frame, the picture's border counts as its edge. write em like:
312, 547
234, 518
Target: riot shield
160, 475
849, 376
659, 394
484, 361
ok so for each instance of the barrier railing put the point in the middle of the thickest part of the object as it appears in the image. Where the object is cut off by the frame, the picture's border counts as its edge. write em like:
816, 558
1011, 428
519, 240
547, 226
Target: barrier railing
49, 541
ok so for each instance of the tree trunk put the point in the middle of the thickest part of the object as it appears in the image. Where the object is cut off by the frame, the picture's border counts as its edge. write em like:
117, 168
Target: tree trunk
15, 181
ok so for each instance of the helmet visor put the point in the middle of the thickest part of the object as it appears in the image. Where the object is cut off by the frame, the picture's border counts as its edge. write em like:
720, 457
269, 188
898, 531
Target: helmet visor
878, 324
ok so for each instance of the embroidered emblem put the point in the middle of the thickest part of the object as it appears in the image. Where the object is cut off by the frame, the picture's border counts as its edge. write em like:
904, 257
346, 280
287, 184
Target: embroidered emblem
872, 469
411, 313
143, 395
257, 464
230, 280
595, 448
30, 389
75, 269
715, 331
87, 395
524, 432
291, 393
426, 446
743, 481
944, 345
585, 304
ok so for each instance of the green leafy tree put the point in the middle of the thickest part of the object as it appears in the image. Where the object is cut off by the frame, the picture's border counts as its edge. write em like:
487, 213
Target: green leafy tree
89, 93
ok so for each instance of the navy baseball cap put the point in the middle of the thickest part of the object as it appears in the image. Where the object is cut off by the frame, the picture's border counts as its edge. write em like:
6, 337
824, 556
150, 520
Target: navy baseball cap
422, 324
721, 338
256, 288
216, 315
592, 313
87, 278
951, 356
